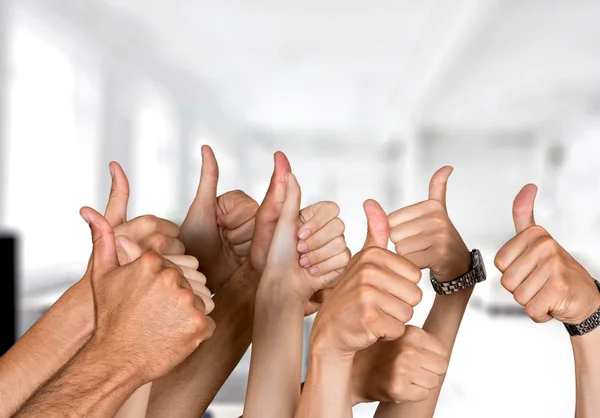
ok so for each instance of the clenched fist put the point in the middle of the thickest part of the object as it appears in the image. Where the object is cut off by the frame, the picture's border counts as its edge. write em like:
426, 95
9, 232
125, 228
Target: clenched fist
218, 230
373, 299
402, 370
540, 274
424, 234
146, 312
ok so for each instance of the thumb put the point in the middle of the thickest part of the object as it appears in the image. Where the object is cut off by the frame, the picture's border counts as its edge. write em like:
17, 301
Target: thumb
116, 208
209, 178
285, 237
277, 187
523, 208
438, 184
378, 225
127, 250
104, 253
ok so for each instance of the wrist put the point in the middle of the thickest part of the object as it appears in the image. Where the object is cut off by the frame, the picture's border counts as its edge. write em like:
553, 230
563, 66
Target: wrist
73, 312
460, 264
276, 289
122, 375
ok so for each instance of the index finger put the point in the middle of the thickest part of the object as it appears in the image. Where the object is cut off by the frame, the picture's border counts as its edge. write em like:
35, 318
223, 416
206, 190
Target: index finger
316, 217
146, 225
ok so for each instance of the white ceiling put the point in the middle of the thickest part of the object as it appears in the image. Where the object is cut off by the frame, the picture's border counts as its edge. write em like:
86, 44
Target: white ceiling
356, 69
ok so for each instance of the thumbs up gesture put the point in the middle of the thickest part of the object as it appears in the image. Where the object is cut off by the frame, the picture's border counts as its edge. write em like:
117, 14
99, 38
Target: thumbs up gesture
316, 233
374, 297
148, 319
540, 274
424, 234
218, 230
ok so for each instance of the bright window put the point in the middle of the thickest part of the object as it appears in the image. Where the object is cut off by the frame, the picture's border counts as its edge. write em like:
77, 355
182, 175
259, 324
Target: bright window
51, 150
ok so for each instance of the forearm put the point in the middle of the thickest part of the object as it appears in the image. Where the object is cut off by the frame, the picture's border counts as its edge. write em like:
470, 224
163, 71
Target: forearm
46, 347
587, 373
443, 322
327, 389
276, 362
188, 390
90, 385
137, 404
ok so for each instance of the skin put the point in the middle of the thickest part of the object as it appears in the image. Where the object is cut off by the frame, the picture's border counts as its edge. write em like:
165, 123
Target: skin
218, 230
425, 235
147, 320
372, 301
189, 389
286, 286
68, 324
545, 279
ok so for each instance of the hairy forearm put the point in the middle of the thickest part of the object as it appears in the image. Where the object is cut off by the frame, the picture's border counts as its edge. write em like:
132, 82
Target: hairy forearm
46, 347
188, 390
443, 322
89, 385
587, 373
327, 389
276, 362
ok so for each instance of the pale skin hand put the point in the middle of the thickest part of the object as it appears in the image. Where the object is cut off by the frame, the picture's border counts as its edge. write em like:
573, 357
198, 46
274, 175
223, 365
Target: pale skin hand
373, 300
68, 324
284, 291
147, 320
218, 230
424, 234
549, 283
402, 370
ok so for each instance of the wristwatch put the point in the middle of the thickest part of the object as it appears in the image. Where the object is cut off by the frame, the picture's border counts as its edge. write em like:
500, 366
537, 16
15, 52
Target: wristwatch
471, 278
590, 324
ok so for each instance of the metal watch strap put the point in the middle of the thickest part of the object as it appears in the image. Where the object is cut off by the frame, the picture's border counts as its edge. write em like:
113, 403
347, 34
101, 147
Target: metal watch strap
471, 278
590, 324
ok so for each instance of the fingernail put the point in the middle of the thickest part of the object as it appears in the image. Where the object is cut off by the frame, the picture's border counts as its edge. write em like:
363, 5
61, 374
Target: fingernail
314, 271
302, 247
303, 233
304, 261
85, 217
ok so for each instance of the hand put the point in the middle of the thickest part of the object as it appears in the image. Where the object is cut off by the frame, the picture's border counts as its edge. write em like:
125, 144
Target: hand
146, 313
218, 230
373, 299
320, 233
148, 232
540, 274
284, 269
188, 265
402, 370
424, 234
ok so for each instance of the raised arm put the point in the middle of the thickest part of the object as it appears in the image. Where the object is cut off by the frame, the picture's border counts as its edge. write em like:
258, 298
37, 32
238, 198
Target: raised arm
373, 300
147, 320
549, 283
69, 323
283, 295
424, 234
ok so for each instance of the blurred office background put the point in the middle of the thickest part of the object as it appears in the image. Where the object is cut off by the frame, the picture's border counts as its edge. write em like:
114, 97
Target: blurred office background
367, 99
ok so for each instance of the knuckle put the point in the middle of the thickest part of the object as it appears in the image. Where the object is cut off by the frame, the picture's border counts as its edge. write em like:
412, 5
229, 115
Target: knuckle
151, 260
340, 226
416, 295
559, 287
150, 222
368, 317
171, 276
520, 297
397, 390
547, 243
187, 297
500, 261
507, 282
199, 323
332, 207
